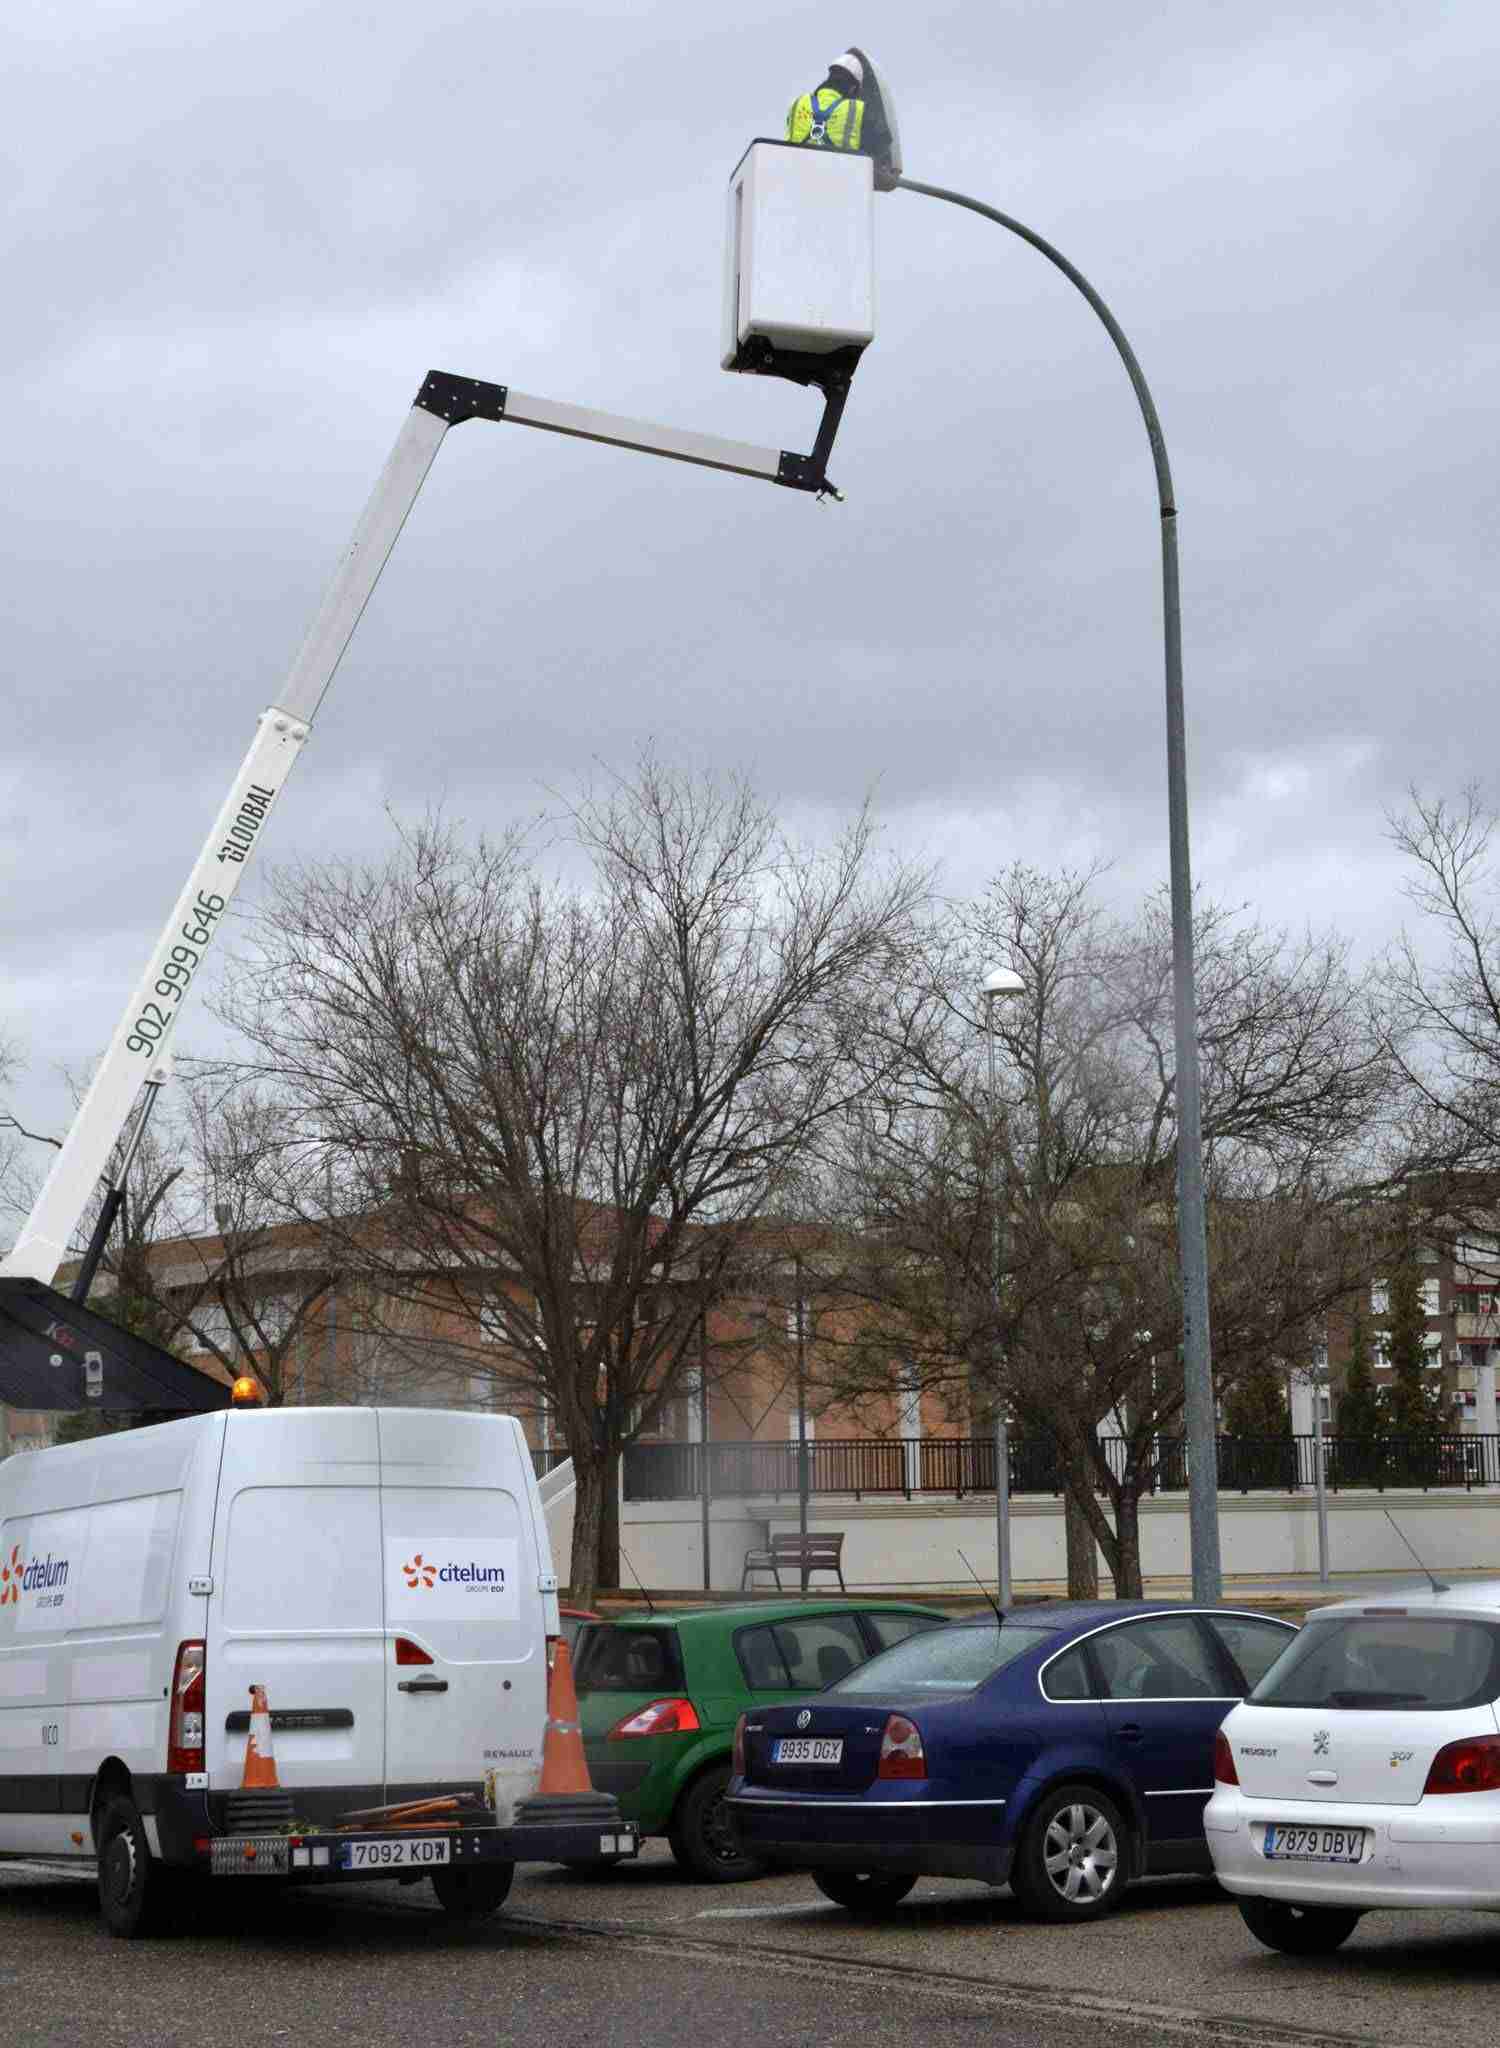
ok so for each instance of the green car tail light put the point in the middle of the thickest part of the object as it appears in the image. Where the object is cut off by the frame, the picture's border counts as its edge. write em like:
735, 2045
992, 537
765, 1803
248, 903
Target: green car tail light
662, 1717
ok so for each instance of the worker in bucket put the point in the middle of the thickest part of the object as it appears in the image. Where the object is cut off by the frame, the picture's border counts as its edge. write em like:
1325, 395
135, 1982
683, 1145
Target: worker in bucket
834, 115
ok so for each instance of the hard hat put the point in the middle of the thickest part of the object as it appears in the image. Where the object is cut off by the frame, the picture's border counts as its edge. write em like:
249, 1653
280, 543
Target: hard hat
850, 63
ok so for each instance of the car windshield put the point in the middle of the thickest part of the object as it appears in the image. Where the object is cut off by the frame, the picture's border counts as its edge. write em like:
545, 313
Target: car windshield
1386, 1663
941, 1660
611, 1659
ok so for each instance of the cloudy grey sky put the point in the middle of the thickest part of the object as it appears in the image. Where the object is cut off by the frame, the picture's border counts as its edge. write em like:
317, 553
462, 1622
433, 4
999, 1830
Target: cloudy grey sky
239, 235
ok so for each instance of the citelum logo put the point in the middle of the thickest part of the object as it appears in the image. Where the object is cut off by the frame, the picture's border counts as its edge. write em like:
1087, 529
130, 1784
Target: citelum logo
10, 1578
419, 1573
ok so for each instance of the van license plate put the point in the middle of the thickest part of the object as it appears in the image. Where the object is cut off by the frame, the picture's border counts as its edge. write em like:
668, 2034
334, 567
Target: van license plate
809, 1749
383, 1853
1298, 1844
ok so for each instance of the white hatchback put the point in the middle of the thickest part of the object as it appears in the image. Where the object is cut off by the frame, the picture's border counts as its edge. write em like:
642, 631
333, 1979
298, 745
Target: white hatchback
1364, 1769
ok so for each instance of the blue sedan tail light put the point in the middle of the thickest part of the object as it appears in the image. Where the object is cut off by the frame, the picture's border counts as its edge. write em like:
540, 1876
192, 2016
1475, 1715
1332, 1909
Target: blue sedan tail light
901, 1752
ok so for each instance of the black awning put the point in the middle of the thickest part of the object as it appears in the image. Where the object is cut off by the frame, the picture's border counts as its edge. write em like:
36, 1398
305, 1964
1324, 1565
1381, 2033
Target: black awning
55, 1354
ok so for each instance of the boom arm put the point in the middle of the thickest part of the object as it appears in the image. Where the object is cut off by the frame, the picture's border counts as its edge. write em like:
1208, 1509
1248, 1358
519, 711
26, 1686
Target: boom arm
144, 1031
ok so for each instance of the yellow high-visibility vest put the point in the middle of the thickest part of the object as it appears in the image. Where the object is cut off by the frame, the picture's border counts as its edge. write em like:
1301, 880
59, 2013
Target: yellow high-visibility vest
825, 121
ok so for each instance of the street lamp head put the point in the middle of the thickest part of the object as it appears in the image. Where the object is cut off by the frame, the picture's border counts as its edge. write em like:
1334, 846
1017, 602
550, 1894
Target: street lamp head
882, 132
1001, 982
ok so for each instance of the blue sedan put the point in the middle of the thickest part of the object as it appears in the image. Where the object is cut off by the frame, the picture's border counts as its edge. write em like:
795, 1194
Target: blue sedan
1064, 1751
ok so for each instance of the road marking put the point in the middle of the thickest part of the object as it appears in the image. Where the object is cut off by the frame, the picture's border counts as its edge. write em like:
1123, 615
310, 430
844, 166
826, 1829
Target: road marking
798, 1911
767, 1912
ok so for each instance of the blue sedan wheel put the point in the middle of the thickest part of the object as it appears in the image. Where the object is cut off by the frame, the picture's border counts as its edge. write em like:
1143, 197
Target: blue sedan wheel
1070, 1865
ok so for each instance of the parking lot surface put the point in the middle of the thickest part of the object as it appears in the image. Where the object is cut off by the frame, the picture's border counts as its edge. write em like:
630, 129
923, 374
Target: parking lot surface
1174, 1950
642, 1957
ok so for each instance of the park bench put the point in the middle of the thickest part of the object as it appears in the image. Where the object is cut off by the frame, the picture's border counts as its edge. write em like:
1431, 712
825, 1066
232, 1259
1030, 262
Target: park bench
806, 1554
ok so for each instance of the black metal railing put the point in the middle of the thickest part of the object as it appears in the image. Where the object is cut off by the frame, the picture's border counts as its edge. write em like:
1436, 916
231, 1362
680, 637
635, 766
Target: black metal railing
956, 1466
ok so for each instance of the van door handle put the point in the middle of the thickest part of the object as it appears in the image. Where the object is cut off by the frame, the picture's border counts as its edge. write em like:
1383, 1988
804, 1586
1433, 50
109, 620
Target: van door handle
1129, 1731
422, 1685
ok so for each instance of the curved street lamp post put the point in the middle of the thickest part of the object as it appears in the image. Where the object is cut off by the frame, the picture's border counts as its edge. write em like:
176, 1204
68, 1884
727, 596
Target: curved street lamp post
1202, 1426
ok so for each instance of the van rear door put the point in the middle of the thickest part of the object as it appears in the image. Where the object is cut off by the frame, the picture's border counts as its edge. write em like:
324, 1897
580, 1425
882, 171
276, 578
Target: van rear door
297, 1604
462, 1571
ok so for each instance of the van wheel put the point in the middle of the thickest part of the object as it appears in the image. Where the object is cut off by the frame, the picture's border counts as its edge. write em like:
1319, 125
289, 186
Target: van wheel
1072, 1858
1298, 1930
134, 1891
703, 1835
866, 1893
473, 1894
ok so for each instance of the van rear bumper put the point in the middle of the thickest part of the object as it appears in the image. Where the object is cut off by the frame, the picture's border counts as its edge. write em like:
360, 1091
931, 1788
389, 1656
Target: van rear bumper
191, 1830
319, 1859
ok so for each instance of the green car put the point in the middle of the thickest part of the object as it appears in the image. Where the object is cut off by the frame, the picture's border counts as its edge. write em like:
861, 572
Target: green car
658, 1700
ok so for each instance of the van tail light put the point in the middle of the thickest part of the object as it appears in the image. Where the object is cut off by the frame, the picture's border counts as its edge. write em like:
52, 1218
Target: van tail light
662, 1717
185, 1722
739, 1746
408, 1652
1224, 1770
1472, 1765
901, 1752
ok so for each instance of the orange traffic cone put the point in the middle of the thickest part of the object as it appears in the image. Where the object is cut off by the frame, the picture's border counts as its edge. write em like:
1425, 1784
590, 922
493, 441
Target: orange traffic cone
564, 1766
260, 1802
259, 1774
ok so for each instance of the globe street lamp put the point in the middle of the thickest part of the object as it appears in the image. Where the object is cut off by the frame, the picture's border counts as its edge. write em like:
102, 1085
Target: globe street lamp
1000, 984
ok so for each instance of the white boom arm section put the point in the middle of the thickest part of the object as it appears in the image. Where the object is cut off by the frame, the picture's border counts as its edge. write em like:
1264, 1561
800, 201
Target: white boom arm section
143, 1033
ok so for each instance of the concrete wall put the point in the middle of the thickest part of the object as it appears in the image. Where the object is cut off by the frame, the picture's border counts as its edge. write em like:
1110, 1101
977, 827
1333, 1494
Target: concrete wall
915, 1544
664, 1539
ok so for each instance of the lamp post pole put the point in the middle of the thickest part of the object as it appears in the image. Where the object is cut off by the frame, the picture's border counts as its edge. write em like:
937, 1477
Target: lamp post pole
998, 984
1320, 1476
1192, 1234
802, 1473
704, 1496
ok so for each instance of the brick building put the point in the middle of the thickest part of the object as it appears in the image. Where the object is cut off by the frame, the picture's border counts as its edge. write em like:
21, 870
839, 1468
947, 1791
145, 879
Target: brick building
1461, 1296
277, 1307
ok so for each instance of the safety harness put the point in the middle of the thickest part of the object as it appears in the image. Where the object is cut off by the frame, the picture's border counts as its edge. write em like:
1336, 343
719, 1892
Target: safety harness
818, 133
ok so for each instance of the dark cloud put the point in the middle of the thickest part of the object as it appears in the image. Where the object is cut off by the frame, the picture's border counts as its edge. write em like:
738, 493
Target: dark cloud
237, 239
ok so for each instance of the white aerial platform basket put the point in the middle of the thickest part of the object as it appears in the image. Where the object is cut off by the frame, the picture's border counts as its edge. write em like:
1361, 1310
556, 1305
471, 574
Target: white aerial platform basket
800, 270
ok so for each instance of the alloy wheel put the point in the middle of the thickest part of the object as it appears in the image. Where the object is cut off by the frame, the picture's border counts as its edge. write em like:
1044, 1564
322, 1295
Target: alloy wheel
1080, 1853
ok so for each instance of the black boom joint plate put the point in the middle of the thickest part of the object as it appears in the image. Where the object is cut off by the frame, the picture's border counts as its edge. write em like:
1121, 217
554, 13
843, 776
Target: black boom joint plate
456, 399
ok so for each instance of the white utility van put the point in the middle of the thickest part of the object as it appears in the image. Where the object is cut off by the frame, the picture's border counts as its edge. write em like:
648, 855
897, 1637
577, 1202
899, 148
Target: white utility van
382, 1573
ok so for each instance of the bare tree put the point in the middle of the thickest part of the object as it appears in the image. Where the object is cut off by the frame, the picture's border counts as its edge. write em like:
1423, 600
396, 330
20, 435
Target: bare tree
16, 1189
564, 1104
1081, 1337
211, 1253
1443, 1024
243, 1270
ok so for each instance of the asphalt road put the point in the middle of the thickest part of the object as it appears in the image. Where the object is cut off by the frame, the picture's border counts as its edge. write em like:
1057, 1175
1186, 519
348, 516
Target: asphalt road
642, 1958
